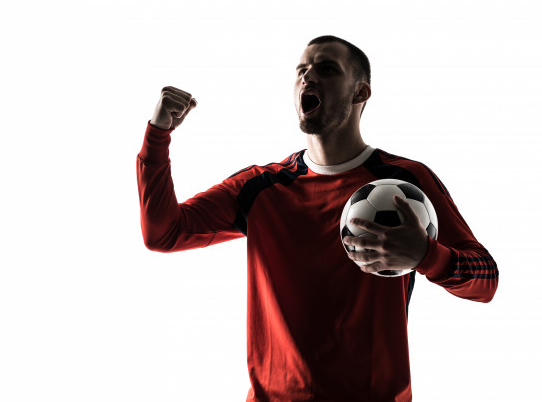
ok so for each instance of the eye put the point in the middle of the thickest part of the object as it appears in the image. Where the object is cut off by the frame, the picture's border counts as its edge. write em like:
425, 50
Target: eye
301, 71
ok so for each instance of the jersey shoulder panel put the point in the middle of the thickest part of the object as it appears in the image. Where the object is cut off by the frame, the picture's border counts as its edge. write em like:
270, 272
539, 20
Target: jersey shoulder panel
291, 164
246, 184
384, 165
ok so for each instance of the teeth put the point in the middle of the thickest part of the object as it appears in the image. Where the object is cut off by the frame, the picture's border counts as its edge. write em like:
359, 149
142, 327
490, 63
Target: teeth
309, 92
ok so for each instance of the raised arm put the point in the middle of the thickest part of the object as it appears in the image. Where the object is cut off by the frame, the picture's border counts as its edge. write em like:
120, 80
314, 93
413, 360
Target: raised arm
167, 225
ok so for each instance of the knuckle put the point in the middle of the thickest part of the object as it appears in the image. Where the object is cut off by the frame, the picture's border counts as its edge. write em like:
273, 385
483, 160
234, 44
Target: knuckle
387, 235
168, 95
387, 260
386, 244
169, 102
166, 101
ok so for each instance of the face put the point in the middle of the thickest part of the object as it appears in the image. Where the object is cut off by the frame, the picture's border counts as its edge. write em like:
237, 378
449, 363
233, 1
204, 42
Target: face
324, 88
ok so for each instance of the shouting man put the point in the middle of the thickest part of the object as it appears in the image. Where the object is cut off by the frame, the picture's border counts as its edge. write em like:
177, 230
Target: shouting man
320, 328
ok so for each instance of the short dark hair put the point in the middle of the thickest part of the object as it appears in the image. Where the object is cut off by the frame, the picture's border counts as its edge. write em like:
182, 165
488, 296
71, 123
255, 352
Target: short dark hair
360, 62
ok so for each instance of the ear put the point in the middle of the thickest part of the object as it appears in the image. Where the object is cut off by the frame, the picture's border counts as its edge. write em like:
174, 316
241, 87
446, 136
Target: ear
362, 94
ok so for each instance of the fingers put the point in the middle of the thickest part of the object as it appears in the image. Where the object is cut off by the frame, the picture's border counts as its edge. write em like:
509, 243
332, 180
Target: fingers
172, 108
365, 257
177, 92
371, 261
177, 102
368, 261
403, 206
371, 243
369, 226
369, 248
372, 268
379, 267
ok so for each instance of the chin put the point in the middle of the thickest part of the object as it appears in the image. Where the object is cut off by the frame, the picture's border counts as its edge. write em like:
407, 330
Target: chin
312, 129
310, 124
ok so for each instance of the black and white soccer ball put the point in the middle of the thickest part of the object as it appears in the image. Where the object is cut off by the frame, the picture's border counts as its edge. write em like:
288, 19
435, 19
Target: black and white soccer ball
374, 202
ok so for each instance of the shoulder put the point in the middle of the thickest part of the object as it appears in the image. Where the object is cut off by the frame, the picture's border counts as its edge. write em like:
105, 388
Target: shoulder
288, 169
273, 167
384, 165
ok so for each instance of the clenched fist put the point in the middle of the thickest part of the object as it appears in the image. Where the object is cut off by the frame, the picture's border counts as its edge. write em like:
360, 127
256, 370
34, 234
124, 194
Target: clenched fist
173, 107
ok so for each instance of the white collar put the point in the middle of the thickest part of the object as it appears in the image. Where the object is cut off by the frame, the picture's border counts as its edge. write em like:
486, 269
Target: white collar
343, 167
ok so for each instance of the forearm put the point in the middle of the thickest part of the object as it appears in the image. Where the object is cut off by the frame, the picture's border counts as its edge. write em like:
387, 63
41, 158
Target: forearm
167, 225
466, 270
158, 203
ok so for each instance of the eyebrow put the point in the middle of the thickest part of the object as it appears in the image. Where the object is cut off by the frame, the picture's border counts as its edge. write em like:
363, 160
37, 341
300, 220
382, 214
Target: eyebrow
325, 61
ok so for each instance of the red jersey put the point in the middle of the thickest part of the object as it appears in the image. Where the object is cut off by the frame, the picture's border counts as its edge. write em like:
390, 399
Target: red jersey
319, 329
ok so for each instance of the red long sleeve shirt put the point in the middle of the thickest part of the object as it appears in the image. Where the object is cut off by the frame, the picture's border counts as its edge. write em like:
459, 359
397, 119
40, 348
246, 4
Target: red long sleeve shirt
319, 329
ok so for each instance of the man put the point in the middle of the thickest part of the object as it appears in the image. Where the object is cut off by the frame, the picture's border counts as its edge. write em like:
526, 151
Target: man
319, 327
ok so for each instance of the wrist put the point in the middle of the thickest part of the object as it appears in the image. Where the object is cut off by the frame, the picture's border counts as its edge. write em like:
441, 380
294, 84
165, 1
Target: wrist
436, 263
155, 148
159, 126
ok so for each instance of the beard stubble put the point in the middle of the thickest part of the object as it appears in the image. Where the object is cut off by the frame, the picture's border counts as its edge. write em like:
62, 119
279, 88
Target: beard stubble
325, 125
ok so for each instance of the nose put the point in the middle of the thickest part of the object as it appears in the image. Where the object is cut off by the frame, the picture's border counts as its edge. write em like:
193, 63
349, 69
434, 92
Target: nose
308, 76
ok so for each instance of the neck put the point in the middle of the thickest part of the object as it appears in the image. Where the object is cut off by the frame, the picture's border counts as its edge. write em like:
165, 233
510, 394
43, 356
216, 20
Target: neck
335, 148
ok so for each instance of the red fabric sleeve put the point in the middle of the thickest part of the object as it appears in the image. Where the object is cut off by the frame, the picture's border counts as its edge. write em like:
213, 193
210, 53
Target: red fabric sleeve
168, 225
456, 260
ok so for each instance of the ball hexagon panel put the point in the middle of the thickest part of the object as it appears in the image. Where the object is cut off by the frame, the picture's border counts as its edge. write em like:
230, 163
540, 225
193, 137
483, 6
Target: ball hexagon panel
432, 231
421, 210
387, 181
361, 209
382, 197
432, 214
344, 213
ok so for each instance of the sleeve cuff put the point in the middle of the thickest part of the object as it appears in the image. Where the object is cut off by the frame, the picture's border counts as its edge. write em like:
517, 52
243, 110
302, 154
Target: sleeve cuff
436, 263
155, 149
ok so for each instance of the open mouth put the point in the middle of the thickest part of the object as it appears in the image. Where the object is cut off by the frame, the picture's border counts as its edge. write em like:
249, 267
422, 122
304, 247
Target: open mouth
309, 103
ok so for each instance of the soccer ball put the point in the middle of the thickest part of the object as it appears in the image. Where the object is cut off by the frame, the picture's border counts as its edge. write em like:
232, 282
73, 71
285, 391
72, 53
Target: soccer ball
374, 202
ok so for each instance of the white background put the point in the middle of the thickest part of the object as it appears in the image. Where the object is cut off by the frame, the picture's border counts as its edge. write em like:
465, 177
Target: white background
87, 313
